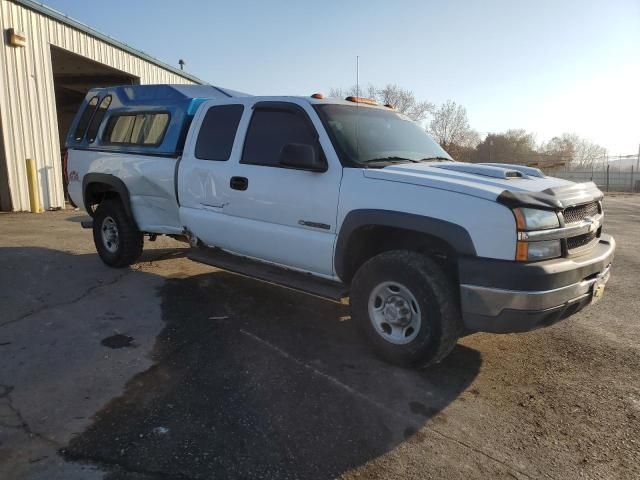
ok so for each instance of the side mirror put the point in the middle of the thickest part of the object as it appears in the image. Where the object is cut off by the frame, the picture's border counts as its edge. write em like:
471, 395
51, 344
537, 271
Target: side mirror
303, 157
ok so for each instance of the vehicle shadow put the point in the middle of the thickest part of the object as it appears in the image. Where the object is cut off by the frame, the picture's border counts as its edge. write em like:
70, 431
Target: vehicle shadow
80, 217
256, 381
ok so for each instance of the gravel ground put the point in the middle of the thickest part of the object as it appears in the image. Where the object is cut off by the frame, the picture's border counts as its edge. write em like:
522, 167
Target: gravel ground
172, 369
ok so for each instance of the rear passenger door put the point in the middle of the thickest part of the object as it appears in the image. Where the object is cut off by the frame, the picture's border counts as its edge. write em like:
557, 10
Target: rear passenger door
205, 170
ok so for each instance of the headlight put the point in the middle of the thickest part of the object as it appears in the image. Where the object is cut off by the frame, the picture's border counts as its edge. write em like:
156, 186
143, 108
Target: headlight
532, 251
531, 219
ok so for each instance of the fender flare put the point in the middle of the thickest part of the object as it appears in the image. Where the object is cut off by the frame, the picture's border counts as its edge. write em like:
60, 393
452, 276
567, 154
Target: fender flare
115, 184
454, 235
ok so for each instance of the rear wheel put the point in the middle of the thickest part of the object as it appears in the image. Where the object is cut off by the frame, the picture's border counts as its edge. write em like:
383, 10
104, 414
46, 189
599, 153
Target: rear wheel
407, 308
118, 242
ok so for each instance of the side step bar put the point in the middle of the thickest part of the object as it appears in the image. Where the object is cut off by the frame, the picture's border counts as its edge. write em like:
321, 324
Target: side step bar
302, 282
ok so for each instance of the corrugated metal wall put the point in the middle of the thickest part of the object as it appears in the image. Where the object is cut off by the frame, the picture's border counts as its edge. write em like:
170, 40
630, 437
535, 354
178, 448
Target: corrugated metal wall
27, 101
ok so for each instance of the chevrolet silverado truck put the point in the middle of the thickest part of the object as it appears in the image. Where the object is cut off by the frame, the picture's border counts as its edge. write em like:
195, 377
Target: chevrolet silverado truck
339, 198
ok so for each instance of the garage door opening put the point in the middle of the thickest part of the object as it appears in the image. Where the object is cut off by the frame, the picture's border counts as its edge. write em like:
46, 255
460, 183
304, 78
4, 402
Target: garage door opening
73, 77
5, 195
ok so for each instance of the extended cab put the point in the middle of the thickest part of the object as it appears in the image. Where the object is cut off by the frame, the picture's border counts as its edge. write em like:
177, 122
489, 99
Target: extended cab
339, 198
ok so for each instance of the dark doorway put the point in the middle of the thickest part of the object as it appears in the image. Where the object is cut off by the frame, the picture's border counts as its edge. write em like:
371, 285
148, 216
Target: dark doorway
5, 194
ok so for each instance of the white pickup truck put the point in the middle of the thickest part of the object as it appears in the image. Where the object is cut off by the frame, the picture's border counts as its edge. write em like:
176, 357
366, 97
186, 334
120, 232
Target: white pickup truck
339, 198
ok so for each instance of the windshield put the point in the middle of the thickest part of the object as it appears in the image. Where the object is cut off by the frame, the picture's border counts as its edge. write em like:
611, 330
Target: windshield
371, 135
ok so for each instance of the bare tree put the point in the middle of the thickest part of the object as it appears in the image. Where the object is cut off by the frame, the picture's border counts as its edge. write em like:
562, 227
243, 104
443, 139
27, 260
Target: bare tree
401, 99
513, 146
404, 101
573, 149
450, 128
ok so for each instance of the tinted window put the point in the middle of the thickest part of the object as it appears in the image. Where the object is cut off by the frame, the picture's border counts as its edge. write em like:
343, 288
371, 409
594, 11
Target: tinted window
97, 118
153, 127
218, 131
85, 117
270, 130
136, 129
119, 129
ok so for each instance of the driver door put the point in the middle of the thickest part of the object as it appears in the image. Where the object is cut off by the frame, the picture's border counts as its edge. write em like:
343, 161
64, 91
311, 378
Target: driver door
282, 214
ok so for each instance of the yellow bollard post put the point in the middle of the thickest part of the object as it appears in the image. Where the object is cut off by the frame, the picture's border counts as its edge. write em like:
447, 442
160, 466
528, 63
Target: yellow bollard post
34, 192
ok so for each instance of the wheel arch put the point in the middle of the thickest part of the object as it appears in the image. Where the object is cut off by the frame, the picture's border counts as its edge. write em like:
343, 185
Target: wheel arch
368, 232
98, 186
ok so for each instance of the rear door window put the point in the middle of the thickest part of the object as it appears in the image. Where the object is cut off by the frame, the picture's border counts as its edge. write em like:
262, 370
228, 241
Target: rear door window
218, 132
97, 118
81, 128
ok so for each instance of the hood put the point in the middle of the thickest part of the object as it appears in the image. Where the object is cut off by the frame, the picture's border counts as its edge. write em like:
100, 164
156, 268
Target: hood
510, 184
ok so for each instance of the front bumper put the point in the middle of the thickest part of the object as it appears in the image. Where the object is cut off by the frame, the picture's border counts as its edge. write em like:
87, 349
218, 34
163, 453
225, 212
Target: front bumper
503, 297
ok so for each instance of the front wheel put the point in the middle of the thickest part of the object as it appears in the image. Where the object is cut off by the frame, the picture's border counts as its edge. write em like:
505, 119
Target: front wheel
118, 242
407, 307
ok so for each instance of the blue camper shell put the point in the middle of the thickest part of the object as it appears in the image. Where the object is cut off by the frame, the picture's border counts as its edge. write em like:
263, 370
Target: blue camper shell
180, 102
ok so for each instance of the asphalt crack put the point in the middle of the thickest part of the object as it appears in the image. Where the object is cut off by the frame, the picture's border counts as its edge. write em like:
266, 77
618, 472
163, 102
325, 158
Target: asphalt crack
73, 301
89, 290
23, 425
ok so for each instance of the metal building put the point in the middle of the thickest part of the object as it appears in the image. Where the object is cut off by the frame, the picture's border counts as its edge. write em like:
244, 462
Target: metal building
48, 62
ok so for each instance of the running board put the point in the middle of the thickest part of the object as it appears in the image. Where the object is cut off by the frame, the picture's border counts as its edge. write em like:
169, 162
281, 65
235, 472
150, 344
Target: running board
302, 282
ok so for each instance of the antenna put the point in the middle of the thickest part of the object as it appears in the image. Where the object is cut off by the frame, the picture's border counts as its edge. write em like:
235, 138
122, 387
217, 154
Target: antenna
182, 63
357, 75
357, 104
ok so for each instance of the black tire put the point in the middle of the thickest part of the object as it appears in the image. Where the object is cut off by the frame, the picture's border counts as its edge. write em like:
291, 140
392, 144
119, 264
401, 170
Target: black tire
128, 247
435, 293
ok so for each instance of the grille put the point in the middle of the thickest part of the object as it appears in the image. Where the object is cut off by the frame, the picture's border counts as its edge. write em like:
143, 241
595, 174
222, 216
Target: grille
580, 241
576, 214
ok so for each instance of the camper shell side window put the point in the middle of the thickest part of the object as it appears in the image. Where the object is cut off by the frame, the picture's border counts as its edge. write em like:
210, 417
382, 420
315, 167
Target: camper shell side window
136, 128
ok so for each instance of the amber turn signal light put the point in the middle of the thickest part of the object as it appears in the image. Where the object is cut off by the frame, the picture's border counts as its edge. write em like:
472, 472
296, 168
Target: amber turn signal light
366, 101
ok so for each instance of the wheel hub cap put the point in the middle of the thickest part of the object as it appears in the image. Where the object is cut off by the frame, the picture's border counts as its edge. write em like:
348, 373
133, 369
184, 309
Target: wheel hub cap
394, 312
110, 237
397, 311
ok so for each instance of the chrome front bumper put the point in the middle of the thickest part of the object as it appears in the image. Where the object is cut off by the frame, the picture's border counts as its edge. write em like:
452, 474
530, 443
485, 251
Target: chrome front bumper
502, 310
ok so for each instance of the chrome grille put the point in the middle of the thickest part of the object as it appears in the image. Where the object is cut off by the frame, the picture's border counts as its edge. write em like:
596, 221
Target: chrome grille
575, 243
578, 213
585, 241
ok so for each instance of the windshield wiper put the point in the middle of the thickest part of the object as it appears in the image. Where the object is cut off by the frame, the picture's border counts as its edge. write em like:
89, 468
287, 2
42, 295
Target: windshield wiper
391, 160
435, 159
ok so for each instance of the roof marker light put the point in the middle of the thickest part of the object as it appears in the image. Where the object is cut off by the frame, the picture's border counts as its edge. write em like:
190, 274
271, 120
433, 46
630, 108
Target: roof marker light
366, 101
319, 96
388, 105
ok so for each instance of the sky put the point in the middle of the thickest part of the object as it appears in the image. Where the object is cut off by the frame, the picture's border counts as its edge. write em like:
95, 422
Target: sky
546, 66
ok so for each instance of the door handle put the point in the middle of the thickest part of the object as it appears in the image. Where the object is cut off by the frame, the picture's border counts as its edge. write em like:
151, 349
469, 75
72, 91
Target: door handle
239, 183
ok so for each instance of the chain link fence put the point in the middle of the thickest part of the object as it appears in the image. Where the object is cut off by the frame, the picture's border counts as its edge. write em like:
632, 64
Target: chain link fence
611, 174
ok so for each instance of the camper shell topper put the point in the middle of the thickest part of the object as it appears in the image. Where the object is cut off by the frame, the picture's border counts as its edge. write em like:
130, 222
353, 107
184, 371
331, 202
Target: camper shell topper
145, 119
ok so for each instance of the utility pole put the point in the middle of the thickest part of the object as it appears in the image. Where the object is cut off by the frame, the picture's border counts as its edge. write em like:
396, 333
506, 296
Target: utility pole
633, 187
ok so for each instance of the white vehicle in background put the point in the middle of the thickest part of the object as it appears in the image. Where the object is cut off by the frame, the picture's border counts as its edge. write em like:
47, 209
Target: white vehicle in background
335, 198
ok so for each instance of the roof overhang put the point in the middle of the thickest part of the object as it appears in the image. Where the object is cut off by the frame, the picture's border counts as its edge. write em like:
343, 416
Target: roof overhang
61, 17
